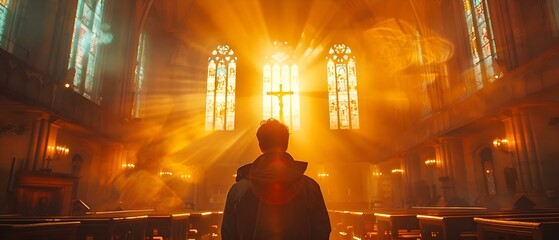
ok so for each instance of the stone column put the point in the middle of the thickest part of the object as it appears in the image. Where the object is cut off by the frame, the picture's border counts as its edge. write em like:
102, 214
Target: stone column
453, 176
411, 177
30, 162
41, 148
37, 141
519, 130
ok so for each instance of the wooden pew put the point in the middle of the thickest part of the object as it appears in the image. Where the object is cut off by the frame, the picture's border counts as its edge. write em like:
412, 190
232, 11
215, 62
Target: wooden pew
122, 213
352, 224
518, 228
397, 226
170, 226
32, 230
403, 224
93, 226
363, 224
447, 227
131, 227
119, 224
464, 227
204, 225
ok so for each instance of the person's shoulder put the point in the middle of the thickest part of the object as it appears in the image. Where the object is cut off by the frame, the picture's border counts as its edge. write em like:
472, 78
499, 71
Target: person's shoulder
243, 172
310, 182
238, 189
241, 183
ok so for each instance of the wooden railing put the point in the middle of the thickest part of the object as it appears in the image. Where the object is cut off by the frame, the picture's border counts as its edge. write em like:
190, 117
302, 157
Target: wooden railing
127, 224
441, 223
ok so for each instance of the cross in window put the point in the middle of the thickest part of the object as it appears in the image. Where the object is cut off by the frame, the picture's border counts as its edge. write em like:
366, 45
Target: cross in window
280, 95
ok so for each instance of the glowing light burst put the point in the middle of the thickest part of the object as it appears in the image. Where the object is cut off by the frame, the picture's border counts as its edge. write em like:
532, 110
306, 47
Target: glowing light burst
395, 45
173, 137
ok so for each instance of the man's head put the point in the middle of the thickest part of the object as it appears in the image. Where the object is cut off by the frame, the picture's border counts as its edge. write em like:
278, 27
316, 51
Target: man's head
273, 136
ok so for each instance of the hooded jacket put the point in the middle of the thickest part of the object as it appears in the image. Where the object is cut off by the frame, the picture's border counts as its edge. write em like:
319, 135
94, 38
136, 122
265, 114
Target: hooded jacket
273, 199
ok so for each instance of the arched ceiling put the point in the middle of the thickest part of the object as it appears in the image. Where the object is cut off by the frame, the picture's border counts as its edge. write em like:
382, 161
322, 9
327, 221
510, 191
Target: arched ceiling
277, 19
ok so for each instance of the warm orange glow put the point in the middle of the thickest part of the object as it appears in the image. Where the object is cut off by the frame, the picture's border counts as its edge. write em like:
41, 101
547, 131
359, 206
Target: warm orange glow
172, 136
186, 176
501, 144
58, 151
128, 165
432, 162
398, 45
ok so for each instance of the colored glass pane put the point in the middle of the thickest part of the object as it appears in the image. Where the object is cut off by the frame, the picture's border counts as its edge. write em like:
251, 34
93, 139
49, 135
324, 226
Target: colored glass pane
3, 17
220, 91
342, 88
281, 87
139, 81
482, 43
85, 49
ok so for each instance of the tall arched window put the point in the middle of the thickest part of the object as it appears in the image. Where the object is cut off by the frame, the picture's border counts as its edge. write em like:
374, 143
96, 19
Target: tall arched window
342, 91
220, 96
86, 40
482, 42
281, 86
3, 17
486, 157
139, 81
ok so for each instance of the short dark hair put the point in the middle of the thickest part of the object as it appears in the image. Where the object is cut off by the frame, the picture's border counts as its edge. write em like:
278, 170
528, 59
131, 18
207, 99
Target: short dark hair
272, 134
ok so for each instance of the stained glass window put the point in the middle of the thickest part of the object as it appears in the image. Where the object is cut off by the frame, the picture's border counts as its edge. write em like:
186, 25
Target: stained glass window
85, 46
482, 43
486, 156
3, 17
342, 91
139, 81
554, 16
220, 96
281, 86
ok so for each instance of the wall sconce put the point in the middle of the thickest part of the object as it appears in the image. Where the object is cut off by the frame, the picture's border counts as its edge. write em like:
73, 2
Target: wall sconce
165, 173
377, 174
323, 174
432, 163
128, 165
57, 152
397, 170
501, 144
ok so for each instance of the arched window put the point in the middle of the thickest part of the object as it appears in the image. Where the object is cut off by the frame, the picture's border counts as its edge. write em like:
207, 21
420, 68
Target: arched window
220, 97
86, 40
139, 81
281, 86
342, 91
482, 42
486, 157
3, 17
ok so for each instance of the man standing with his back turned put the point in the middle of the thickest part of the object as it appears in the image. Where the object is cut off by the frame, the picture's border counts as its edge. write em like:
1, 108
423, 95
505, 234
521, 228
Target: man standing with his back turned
272, 198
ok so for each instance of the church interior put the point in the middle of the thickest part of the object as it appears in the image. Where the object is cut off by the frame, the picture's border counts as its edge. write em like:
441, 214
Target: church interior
110, 105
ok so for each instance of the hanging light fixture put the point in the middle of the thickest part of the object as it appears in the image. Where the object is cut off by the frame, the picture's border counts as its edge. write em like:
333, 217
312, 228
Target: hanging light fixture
501, 144
432, 163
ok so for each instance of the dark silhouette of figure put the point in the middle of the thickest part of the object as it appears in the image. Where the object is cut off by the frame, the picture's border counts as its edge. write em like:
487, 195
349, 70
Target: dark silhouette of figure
272, 198
524, 203
42, 207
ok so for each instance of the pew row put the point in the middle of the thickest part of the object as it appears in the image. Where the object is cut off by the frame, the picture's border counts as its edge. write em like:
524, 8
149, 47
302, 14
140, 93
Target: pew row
464, 227
443, 223
39, 230
518, 228
194, 225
